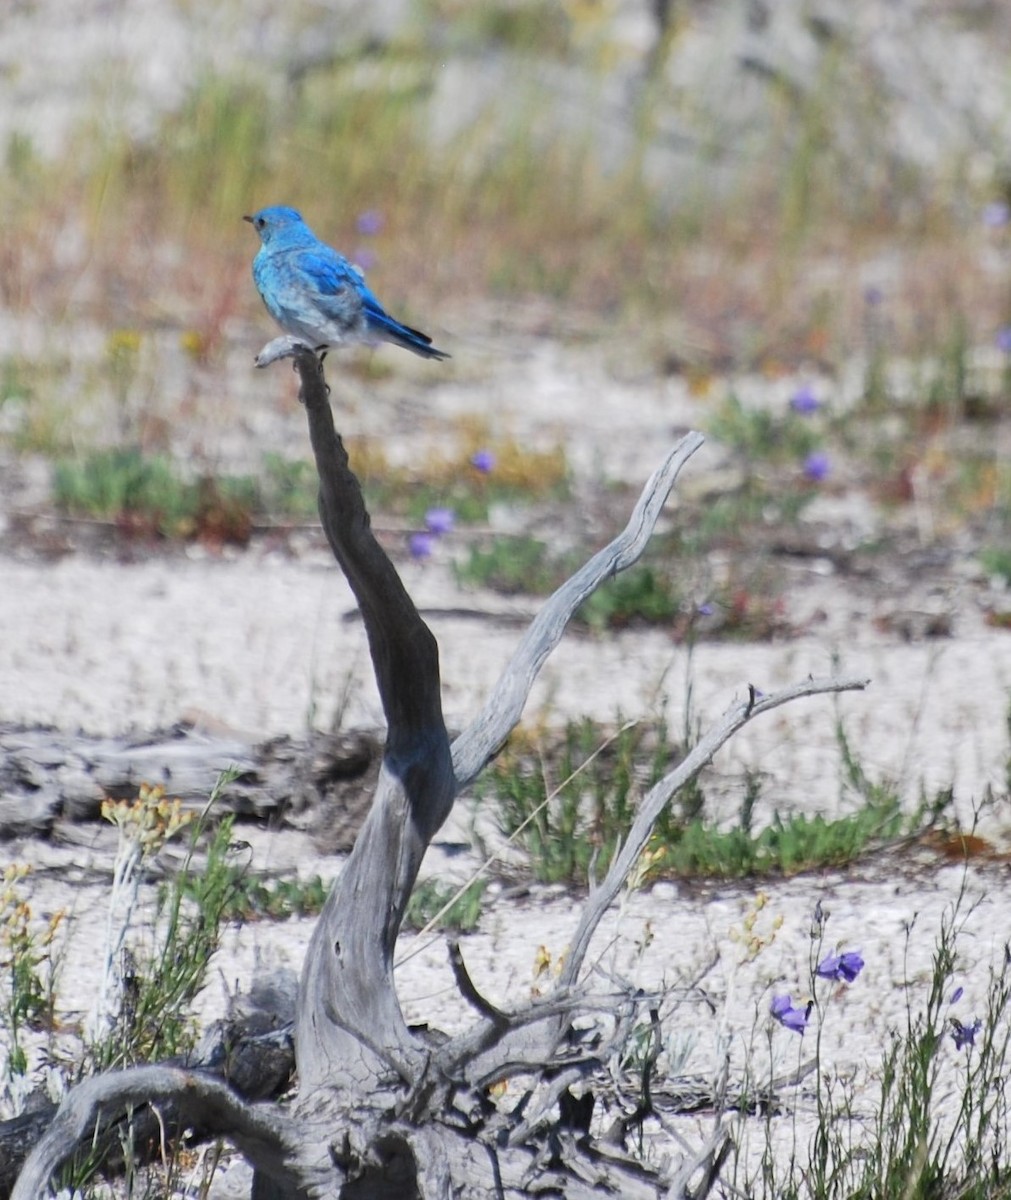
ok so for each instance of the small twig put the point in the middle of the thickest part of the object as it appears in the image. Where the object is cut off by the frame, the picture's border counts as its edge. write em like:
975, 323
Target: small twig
711, 1157
469, 991
558, 1085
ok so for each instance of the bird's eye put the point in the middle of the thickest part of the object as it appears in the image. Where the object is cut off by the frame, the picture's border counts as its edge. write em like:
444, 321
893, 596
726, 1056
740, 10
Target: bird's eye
260, 222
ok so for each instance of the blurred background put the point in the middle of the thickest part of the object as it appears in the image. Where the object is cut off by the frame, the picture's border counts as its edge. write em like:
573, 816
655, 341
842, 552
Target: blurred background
808, 193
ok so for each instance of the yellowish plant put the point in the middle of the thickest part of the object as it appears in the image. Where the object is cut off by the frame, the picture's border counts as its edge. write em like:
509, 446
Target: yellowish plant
28, 966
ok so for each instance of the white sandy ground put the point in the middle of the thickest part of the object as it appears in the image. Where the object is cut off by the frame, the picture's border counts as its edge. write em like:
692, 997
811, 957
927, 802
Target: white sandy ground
258, 640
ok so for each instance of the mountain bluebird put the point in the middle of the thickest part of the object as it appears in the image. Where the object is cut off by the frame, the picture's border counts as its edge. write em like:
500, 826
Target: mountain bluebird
311, 291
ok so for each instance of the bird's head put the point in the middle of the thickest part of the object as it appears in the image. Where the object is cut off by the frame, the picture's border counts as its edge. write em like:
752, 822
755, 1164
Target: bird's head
278, 221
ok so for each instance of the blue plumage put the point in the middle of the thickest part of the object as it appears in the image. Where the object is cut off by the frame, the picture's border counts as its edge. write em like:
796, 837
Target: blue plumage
313, 292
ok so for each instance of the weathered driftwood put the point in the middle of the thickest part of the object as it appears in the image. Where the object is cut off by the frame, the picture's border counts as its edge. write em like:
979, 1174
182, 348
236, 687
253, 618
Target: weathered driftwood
48, 777
256, 1063
384, 1110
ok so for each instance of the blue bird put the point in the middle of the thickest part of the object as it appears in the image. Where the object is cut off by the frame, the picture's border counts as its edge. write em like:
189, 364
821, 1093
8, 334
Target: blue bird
313, 292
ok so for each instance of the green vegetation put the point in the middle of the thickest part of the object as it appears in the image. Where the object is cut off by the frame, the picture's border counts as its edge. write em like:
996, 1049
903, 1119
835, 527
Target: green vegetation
570, 817
28, 969
997, 561
147, 495
644, 594
151, 982
448, 479
251, 898
437, 905
151, 494
511, 565
935, 1131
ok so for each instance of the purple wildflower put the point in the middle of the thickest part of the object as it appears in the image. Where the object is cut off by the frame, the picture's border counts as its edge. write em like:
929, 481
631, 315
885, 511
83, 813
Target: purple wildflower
804, 401
956, 995
370, 222
964, 1035
1003, 339
789, 1017
706, 610
996, 215
364, 258
440, 520
421, 545
842, 967
483, 461
873, 295
817, 466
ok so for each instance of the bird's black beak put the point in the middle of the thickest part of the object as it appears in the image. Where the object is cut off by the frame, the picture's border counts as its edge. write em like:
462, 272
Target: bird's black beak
248, 218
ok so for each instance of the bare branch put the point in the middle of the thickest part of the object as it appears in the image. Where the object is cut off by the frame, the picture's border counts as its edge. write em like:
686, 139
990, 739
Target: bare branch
503, 708
261, 1133
468, 989
660, 795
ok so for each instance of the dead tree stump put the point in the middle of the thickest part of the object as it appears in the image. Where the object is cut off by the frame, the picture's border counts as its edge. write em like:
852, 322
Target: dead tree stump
380, 1111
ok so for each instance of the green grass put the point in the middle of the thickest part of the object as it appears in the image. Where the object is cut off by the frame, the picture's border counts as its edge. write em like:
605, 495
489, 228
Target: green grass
932, 1135
588, 816
589, 813
429, 899
511, 565
997, 561
147, 494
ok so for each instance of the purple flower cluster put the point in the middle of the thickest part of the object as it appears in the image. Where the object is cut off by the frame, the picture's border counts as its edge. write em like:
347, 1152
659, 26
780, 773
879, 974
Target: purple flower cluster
483, 461
996, 215
440, 520
805, 403
817, 466
421, 545
370, 222
843, 968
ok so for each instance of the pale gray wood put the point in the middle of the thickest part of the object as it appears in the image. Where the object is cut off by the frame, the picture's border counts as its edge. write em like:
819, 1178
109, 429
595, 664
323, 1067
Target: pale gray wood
479, 742
49, 778
259, 1131
382, 1111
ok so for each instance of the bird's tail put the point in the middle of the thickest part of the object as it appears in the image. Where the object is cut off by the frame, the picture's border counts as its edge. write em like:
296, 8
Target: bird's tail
385, 327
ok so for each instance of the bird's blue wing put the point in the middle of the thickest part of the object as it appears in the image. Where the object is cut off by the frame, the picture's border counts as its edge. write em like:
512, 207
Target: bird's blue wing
328, 273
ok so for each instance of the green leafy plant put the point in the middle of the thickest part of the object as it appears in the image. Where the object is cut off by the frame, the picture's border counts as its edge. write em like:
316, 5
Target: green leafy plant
511, 565
432, 899
590, 811
642, 595
142, 1012
252, 899
146, 494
